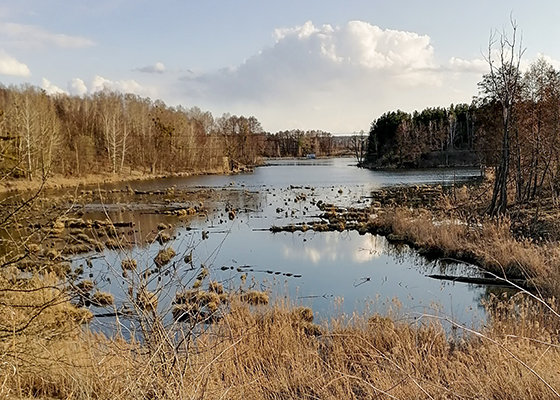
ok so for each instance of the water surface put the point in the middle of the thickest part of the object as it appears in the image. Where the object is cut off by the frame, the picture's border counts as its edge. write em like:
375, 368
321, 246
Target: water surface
314, 269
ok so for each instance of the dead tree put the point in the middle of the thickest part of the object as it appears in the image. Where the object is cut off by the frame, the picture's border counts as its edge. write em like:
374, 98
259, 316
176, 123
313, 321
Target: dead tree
502, 85
358, 145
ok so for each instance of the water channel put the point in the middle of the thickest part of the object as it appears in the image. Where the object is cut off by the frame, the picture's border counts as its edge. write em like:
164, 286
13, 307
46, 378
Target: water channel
328, 271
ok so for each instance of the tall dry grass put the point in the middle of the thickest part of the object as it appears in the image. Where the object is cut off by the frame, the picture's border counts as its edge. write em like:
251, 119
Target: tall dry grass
486, 242
276, 352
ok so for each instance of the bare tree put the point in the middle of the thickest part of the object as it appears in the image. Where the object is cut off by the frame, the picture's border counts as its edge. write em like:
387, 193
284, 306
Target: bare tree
502, 84
358, 145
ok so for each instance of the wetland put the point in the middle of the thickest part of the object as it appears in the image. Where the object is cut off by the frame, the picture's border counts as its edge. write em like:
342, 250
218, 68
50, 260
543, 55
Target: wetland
301, 268
270, 231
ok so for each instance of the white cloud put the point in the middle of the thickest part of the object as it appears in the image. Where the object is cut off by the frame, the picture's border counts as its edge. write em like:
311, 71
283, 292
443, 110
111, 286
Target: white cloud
124, 86
336, 78
318, 57
360, 43
10, 66
157, 68
77, 87
50, 88
475, 66
34, 36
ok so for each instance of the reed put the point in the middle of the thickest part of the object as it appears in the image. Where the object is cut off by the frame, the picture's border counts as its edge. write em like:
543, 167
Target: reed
276, 352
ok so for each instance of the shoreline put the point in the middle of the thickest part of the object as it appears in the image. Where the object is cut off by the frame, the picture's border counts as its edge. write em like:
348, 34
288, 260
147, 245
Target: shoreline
13, 186
61, 182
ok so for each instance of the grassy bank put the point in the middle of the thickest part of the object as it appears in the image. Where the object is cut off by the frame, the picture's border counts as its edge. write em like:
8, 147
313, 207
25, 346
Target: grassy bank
451, 223
489, 244
59, 181
276, 352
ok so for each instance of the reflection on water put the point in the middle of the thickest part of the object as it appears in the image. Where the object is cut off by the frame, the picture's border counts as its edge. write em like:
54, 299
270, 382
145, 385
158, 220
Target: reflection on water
312, 268
332, 249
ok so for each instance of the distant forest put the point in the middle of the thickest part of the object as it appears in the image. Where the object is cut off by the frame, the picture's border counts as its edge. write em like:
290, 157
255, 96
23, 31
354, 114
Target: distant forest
472, 134
110, 132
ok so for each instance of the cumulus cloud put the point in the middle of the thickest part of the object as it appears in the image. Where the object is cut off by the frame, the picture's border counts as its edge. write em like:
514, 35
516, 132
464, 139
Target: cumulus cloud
475, 66
10, 66
34, 36
336, 78
77, 87
125, 86
320, 57
157, 68
360, 43
51, 89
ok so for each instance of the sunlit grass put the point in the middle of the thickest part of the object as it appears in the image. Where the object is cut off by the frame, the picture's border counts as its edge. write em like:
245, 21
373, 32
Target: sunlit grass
276, 351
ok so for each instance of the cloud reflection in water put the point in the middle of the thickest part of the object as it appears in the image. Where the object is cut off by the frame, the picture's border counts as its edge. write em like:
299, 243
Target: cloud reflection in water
337, 247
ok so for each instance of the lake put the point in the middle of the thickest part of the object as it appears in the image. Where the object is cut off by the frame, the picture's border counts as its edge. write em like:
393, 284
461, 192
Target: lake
331, 272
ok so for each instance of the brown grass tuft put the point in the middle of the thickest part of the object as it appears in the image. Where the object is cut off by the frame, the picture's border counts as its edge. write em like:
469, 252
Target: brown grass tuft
146, 300
103, 299
164, 256
129, 264
255, 298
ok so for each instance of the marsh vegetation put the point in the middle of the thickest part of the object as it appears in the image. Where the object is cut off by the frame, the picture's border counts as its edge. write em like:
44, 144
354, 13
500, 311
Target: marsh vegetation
197, 327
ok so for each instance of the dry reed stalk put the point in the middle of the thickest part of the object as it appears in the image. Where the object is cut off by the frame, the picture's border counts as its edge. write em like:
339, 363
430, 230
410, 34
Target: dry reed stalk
268, 353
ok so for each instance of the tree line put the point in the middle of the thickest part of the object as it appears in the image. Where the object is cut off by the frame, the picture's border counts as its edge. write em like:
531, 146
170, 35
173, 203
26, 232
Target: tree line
515, 119
112, 132
401, 139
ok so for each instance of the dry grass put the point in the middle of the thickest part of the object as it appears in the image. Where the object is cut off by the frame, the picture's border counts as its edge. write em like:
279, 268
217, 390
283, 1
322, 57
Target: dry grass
164, 256
59, 181
38, 307
488, 243
256, 350
268, 352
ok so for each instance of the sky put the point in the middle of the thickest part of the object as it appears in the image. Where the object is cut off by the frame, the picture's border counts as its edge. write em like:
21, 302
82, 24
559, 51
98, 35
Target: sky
329, 65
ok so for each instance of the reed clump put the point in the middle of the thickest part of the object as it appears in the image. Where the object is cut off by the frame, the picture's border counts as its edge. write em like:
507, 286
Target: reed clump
487, 243
129, 264
164, 256
102, 299
255, 297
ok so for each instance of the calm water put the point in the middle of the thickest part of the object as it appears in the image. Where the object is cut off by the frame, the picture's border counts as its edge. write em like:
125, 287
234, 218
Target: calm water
317, 173
314, 269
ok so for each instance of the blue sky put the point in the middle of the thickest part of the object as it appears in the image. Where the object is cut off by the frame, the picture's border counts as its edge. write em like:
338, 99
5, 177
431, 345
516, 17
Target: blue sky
327, 65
